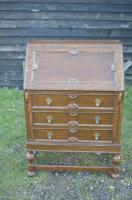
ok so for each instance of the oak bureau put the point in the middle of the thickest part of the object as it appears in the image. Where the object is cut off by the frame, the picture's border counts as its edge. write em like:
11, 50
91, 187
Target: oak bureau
73, 91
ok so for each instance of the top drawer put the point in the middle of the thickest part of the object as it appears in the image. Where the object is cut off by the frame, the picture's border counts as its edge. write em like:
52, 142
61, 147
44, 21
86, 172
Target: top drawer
82, 100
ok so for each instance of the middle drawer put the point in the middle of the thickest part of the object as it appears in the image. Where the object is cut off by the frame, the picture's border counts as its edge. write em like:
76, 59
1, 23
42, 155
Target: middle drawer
64, 118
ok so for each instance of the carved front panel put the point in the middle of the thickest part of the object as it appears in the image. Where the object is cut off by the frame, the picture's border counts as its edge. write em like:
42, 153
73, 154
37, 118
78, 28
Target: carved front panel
50, 99
64, 118
64, 135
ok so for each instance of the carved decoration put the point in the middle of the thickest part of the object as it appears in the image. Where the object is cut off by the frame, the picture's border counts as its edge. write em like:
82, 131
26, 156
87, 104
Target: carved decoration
73, 96
73, 139
73, 109
73, 126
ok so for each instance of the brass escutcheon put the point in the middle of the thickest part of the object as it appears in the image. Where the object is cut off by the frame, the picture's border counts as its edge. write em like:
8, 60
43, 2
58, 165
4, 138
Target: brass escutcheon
73, 129
73, 96
74, 51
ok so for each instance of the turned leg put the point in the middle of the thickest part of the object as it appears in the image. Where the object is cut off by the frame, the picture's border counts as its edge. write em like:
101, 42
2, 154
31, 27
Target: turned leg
116, 161
30, 157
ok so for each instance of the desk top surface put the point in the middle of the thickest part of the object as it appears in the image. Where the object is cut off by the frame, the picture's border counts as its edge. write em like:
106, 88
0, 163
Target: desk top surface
92, 65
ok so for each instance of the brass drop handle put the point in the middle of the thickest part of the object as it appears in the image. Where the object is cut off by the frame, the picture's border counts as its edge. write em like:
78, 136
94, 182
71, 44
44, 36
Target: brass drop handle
98, 102
49, 119
96, 136
49, 101
97, 119
50, 135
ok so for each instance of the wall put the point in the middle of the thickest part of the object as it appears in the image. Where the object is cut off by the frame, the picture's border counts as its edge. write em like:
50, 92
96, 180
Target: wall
21, 21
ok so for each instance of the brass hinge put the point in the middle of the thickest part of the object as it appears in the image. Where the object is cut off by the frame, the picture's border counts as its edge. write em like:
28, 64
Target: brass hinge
120, 97
26, 95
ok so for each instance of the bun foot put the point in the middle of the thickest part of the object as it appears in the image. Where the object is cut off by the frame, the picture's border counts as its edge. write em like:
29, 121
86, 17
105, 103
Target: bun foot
30, 156
115, 175
116, 169
31, 173
35, 153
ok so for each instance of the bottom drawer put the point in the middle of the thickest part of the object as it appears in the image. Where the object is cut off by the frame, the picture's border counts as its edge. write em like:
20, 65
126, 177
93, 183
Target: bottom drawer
66, 136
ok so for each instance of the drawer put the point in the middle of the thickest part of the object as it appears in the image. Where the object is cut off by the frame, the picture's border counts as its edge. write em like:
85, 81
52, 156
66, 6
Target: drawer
64, 118
83, 100
65, 135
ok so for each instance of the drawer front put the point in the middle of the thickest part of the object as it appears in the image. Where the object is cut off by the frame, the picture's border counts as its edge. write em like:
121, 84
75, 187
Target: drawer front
64, 100
64, 118
65, 135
